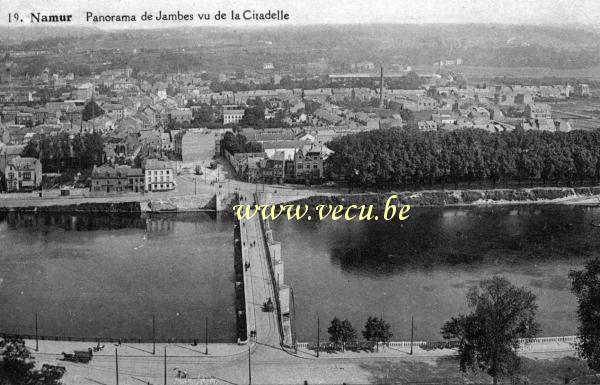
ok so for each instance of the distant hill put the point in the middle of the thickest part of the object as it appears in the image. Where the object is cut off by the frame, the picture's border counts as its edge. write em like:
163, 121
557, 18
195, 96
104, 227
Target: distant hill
476, 44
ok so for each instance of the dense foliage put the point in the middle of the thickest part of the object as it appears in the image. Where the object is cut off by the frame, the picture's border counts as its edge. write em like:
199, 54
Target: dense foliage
488, 337
586, 286
66, 152
18, 366
377, 330
406, 157
341, 332
237, 143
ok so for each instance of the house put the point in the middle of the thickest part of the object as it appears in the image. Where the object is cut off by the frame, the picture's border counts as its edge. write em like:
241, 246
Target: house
538, 111
272, 170
232, 116
23, 174
427, 125
181, 115
166, 142
308, 162
159, 175
108, 180
83, 92
583, 90
8, 153
114, 110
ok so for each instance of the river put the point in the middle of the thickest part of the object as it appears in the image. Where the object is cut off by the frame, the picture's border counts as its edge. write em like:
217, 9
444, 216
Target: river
423, 267
99, 275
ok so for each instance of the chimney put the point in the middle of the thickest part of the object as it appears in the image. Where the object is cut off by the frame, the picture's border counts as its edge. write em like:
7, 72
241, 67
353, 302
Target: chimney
381, 89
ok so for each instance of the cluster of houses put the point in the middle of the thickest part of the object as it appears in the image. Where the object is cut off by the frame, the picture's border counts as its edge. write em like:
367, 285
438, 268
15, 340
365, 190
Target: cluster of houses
153, 176
149, 116
286, 156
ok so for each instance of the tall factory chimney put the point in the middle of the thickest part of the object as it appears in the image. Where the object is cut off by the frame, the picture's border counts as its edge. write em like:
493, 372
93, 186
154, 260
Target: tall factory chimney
381, 89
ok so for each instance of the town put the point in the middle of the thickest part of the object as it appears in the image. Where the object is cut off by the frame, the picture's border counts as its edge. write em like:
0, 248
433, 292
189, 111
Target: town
148, 128
290, 203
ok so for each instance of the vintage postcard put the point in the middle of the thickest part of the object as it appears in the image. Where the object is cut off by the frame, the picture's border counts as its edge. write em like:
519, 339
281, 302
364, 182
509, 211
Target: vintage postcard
299, 192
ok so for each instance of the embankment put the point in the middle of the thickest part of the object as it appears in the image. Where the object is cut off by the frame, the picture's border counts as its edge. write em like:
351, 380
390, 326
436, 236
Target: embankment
125, 204
457, 197
104, 207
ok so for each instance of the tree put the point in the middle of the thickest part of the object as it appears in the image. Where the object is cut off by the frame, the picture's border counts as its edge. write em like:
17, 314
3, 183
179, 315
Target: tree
377, 330
488, 337
586, 286
91, 110
17, 366
341, 332
253, 116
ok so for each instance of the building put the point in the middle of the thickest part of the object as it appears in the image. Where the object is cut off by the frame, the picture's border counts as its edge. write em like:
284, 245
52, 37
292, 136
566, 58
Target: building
8, 153
181, 115
83, 92
308, 162
583, 90
166, 142
272, 170
538, 111
159, 175
232, 116
108, 180
23, 174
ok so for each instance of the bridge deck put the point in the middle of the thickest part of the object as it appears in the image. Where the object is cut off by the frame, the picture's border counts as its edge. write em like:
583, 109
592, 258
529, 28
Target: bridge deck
258, 282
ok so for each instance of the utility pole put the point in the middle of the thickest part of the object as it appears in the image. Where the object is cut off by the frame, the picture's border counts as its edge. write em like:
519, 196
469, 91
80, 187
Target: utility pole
318, 337
165, 383
206, 335
249, 367
36, 332
117, 366
194, 186
153, 334
412, 327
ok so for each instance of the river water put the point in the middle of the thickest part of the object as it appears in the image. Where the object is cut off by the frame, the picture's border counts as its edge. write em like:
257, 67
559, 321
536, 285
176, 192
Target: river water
423, 267
99, 275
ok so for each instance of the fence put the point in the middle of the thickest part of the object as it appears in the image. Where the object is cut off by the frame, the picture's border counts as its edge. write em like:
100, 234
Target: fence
198, 340
445, 344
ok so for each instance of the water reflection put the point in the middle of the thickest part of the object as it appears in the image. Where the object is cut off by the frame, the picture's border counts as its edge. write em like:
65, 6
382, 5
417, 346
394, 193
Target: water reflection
96, 274
430, 260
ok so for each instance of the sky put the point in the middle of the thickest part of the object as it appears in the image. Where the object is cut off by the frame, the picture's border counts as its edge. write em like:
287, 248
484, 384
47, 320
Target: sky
302, 12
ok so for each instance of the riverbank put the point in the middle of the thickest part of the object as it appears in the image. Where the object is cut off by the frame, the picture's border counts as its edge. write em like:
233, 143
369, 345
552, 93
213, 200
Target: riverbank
120, 204
437, 198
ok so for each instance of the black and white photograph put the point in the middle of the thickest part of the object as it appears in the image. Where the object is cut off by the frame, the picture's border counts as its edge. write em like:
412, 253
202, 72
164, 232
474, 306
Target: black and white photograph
256, 192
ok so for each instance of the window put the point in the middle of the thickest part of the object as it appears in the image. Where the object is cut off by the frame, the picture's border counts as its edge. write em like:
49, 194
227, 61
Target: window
315, 166
299, 166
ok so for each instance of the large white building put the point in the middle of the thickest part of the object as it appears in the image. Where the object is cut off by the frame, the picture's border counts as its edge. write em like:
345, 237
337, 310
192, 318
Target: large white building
158, 175
232, 116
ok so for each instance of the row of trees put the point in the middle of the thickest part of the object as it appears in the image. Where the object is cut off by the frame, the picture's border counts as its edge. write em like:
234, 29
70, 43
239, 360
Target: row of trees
409, 157
66, 152
341, 332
